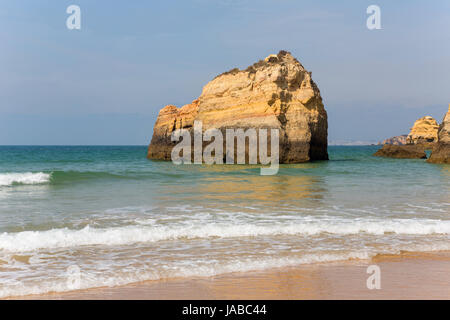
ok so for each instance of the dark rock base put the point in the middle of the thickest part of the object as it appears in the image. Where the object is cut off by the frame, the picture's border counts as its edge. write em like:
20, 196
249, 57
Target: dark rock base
401, 152
440, 154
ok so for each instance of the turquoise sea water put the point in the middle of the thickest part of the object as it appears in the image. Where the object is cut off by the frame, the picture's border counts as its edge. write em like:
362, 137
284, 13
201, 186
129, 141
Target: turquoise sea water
115, 217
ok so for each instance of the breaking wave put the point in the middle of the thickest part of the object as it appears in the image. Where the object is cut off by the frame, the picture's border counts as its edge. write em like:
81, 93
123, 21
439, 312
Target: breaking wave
64, 237
9, 179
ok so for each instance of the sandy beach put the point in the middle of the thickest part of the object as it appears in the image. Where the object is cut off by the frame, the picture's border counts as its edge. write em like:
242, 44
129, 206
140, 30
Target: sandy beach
405, 276
224, 150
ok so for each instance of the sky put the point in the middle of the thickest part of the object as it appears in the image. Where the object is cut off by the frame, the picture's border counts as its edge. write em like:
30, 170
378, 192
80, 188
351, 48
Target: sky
105, 83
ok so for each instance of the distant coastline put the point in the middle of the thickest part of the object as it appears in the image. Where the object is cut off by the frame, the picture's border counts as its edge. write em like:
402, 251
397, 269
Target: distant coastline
352, 143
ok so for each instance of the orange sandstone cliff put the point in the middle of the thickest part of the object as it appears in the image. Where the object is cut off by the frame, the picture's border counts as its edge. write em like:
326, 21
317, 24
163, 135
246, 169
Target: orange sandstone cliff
277, 92
424, 131
441, 152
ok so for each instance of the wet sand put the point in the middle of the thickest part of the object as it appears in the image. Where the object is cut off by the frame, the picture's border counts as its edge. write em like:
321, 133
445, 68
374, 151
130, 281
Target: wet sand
404, 276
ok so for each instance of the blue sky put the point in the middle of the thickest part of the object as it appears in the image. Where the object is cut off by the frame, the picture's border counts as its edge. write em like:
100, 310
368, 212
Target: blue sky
105, 83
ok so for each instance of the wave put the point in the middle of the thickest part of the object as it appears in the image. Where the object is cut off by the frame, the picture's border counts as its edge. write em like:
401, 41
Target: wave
62, 177
195, 269
55, 177
64, 238
120, 278
9, 179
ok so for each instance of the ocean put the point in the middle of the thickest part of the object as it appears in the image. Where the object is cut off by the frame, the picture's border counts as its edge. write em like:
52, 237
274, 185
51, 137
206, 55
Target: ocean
80, 217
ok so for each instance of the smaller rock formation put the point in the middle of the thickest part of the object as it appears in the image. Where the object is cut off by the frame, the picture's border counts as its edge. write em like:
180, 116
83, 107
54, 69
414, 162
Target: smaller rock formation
401, 152
424, 131
423, 136
441, 151
397, 140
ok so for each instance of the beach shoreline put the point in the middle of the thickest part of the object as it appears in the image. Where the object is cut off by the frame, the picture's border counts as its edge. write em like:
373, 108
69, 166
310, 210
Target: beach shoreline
409, 275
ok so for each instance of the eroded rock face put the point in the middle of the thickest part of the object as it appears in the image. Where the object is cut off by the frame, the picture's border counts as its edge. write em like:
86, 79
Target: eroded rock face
397, 140
441, 152
401, 152
277, 92
424, 131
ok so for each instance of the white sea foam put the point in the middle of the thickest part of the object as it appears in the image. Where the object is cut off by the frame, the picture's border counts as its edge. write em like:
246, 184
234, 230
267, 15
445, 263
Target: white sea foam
195, 269
64, 238
7, 179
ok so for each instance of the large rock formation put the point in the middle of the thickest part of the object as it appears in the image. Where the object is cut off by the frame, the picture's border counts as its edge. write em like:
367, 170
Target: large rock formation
424, 131
401, 152
441, 152
397, 140
277, 92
